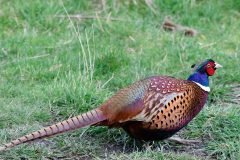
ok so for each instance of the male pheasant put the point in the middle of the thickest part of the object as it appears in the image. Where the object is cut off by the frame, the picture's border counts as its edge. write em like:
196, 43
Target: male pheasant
150, 109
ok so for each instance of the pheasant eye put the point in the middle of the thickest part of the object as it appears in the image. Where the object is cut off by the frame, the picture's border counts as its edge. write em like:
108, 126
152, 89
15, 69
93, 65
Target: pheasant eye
208, 65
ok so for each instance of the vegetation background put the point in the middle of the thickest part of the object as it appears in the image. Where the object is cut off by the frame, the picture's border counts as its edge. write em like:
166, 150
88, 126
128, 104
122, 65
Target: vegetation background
61, 58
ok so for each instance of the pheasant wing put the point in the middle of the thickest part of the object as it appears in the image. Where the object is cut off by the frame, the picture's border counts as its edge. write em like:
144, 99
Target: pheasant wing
143, 99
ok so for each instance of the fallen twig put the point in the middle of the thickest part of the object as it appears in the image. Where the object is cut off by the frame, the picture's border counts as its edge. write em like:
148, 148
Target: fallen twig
171, 26
81, 17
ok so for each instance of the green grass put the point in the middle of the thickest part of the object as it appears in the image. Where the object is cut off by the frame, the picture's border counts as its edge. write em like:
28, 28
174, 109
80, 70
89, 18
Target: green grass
52, 68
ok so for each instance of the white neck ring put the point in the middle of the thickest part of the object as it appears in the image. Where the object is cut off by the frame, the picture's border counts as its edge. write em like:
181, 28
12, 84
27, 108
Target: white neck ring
207, 89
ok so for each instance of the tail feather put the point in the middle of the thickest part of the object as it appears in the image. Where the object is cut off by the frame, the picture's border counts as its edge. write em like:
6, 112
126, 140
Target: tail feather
85, 119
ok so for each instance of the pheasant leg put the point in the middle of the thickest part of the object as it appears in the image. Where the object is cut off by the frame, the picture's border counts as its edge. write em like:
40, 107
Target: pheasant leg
183, 141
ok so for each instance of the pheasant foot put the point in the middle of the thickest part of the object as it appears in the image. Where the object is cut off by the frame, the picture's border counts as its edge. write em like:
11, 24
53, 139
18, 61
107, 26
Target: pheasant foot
184, 141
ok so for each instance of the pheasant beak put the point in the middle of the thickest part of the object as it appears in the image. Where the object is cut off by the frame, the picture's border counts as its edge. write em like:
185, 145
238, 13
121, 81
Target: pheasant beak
217, 65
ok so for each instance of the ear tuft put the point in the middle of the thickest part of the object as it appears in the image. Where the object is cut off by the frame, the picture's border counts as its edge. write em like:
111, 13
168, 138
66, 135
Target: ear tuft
192, 66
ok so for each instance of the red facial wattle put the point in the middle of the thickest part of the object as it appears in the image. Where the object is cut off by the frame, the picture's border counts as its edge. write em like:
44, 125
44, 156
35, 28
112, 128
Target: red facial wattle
210, 71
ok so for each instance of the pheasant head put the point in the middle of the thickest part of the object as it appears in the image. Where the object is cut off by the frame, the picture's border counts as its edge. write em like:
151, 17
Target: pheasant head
202, 71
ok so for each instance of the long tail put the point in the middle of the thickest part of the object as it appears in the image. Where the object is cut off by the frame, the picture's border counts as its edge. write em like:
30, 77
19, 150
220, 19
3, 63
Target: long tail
85, 119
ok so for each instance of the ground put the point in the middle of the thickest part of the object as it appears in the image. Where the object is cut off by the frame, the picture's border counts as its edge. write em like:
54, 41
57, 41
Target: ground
61, 58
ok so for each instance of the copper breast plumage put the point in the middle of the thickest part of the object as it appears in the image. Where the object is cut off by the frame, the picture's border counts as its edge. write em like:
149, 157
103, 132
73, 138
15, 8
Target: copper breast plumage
169, 105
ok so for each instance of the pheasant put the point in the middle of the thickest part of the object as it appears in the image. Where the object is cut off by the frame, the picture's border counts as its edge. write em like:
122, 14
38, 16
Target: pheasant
154, 108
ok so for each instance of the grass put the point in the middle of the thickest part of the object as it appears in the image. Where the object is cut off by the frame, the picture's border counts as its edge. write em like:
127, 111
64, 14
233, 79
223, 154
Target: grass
53, 67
